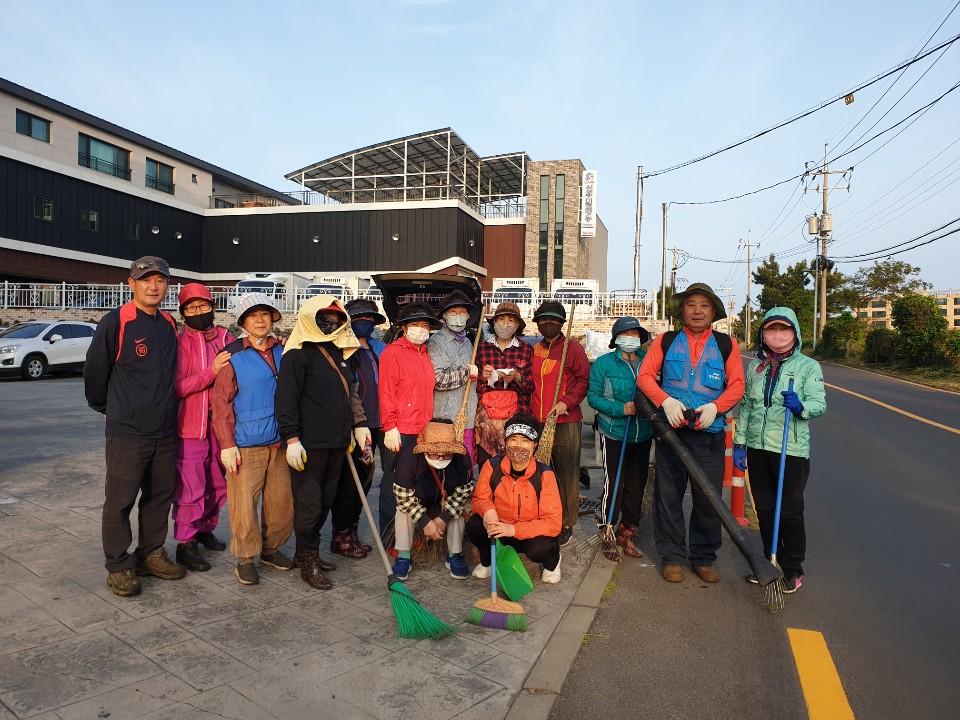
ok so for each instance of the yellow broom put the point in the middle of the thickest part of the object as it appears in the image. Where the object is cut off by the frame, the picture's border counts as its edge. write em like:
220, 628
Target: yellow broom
460, 424
545, 448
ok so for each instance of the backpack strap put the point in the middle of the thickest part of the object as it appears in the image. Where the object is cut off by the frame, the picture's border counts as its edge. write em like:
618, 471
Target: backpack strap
723, 342
536, 479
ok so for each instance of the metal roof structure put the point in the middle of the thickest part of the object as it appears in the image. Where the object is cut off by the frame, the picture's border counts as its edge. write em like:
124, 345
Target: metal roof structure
434, 165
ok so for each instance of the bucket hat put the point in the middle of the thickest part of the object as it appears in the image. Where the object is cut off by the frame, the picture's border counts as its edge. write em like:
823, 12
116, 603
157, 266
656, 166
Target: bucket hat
249, 301
418, 311
551, 309
699, 289
507, 308
627, 323
361, 306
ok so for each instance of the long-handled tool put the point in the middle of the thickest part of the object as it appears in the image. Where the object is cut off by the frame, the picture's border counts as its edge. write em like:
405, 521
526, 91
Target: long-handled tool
605, 536
765, 571
413, 620
773, 594
460, 423
545, 448
494, 612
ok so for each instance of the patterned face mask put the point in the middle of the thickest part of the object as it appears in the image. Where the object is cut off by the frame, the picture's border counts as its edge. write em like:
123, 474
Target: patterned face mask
518, 455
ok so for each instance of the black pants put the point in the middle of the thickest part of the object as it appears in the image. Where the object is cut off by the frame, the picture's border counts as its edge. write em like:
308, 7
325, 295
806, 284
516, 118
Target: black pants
147, 467
764, 466
669, 525
633, 478
314, 490
387, 508
347, 507
540, 549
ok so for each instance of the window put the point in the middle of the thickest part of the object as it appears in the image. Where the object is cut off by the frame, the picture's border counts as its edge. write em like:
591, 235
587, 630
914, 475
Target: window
956, 311
131, 229
89, 219
942, 301
863, 313
544, 228
558, 228
943, 312
221, 203
104, 157
35, 127
879, 323
956, 323
878, 303
159, 176
42, 208
195, 178
878, 313
62, 330
81, 331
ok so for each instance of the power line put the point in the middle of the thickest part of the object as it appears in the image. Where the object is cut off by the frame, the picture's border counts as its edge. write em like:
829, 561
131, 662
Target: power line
899, 252
899, 244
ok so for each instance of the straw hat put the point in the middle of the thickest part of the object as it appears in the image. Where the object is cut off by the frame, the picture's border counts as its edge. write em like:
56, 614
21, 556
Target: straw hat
439, 438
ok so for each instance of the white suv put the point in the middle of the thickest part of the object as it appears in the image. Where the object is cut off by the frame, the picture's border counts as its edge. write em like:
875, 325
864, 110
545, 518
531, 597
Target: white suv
30, 349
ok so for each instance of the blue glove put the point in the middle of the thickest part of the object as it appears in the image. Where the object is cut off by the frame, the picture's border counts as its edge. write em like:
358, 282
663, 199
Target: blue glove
791, 402
740, 458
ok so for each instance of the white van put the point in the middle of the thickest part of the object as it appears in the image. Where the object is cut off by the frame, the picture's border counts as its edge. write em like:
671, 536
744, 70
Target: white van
585, 294
525, 292
281, 288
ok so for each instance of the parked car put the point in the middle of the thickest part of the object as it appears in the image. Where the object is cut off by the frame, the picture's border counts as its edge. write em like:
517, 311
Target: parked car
31, 349
398, 289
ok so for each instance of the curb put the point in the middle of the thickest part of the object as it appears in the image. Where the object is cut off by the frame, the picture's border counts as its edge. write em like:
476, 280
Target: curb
542, 687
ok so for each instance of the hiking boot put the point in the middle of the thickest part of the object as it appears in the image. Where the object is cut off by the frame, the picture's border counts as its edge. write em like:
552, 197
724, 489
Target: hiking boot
246, 573
752, 579
277, 559
673, 573
188, 555
356, 540
551, 577
706, 573
343, 544
792, 583
159, 565
210, 541
457, 566
124, 583
481, 572
625, 535
402, 567
309, 562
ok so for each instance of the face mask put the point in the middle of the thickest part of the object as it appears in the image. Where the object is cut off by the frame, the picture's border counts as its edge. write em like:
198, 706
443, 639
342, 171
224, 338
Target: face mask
438, 464
456, 322
628, 343
203, 321
328, 325
504, 330
363, 328
417, 335
779, 341
518, 455
550, 330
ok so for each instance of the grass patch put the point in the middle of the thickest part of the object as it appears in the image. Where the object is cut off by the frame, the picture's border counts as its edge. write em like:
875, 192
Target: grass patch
939, 378
608, 590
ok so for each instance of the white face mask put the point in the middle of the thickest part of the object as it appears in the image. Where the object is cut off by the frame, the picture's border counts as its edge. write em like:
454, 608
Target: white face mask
438, 464
628, 343
455, 322
417, 335
505, 330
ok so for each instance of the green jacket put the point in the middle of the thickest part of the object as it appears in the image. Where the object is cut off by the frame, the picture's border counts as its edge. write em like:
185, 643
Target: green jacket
760, 423
613, 383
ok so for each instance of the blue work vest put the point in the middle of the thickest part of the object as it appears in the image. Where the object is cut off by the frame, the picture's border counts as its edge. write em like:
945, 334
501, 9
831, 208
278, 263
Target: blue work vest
253, 408
695, 386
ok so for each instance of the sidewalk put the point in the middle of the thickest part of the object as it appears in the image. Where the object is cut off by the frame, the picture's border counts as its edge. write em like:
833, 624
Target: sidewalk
207, 647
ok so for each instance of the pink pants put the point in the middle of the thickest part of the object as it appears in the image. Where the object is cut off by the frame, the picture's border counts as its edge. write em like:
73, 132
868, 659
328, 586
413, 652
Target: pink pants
468, 443
201, 487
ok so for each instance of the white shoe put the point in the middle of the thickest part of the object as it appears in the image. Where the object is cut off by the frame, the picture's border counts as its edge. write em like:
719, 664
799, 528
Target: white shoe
481, 572
551, 577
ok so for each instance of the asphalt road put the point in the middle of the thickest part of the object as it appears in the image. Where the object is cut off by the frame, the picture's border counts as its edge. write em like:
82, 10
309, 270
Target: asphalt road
882, 582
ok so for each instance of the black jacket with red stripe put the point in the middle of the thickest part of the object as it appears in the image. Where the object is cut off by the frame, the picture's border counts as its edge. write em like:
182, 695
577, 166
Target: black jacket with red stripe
129, 372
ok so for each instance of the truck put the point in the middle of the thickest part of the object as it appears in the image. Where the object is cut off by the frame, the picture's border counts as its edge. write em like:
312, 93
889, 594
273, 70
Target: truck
525, 292
585, 294
279, 287
342, 287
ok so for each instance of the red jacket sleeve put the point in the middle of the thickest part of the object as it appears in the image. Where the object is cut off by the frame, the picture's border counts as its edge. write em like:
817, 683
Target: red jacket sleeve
387, 388
579, 368
650, 369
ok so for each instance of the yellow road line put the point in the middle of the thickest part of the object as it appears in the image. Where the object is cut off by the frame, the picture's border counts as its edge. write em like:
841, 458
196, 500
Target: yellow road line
895, 409
890, 377
821, 684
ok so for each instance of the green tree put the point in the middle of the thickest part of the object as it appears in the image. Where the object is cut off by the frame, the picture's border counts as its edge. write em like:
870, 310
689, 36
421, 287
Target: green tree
886, 280
922, 329
843, 337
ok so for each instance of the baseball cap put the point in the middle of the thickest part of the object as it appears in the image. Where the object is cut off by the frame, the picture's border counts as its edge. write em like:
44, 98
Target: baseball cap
149, 265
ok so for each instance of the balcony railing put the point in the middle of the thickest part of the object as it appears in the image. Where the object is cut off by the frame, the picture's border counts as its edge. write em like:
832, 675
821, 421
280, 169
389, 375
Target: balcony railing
103, 166
161, 185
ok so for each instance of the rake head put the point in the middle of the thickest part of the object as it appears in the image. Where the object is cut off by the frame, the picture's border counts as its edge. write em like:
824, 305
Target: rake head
774, 596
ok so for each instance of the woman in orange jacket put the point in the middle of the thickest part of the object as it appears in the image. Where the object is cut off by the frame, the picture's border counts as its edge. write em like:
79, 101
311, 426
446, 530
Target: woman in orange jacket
517, 501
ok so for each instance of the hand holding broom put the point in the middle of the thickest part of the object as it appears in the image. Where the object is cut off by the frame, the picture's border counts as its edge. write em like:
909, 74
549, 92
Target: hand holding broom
545, 448
460, 424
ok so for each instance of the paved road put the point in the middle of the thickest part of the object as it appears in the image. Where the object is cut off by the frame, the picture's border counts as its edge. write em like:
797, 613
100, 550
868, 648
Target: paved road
883, 578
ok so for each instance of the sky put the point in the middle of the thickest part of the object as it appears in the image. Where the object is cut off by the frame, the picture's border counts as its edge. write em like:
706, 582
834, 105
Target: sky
263, 89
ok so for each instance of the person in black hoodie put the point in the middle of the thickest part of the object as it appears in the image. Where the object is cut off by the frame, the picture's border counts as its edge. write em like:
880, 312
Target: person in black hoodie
128, 376
320, 416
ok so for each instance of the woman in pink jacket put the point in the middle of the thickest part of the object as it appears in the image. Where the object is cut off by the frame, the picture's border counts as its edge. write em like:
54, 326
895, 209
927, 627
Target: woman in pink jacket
201, 485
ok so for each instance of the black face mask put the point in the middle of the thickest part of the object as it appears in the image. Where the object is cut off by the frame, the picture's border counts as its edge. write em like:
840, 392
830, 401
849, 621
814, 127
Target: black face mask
328, 325
203, 321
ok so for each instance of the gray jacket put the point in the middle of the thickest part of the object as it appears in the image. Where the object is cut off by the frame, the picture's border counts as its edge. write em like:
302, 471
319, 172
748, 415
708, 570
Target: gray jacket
451, 360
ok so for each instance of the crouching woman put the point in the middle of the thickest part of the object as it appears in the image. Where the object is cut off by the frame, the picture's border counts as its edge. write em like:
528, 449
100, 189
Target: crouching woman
517, 501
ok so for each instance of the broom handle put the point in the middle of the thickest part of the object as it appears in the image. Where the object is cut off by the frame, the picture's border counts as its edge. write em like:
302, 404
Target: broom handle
493, 569
466, 390
616, 482
563, 356
366, 509
783, 465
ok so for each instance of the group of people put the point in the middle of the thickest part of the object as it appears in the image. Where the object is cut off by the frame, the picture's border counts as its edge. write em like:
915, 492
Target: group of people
285, 432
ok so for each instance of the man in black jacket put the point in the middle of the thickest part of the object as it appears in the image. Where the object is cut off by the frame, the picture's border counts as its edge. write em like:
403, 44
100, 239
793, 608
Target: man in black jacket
128, 376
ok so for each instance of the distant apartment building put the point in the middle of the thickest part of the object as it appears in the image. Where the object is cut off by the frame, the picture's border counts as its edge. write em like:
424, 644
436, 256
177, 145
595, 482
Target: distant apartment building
878, 312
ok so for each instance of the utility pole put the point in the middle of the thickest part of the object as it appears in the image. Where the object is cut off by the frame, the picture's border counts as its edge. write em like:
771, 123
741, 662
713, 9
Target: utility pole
749, 320
673, 271
663, 268
726, 289
636, 242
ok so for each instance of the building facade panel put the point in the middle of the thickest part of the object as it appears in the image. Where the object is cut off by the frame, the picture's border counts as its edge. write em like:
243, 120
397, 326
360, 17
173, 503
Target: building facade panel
503, 252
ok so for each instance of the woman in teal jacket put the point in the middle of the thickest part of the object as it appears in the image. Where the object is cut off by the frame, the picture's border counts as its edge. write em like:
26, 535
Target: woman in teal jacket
613, 384
759, 436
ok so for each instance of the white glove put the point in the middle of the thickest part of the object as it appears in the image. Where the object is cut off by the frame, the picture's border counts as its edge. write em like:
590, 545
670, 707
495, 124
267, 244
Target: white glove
391, 440
296, 455
673, 409
362, 436
474, 371
708, 413
230, 458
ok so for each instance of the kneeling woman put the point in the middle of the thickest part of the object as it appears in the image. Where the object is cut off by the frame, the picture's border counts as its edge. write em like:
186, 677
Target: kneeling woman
517, 501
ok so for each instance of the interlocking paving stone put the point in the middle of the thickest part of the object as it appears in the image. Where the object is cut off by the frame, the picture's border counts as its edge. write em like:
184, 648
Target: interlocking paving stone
151, 633
326, 607
459, 650
18, 610
528, 646
13, 526
86, 613
120, 703
208, 612
199, 664
165, 685
12, 572
160, 596
374, 628
28, 636
505, 669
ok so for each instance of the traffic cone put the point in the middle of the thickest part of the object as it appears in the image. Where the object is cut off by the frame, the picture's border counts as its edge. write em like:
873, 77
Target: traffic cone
728, 454
736, 497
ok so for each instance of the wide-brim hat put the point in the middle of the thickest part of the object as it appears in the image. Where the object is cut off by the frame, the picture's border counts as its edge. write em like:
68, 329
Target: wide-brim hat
550, 309
628, 323
193, 291
699, 289
439, 439
359, 307
458, 298
507, 308
414, 311
251, 301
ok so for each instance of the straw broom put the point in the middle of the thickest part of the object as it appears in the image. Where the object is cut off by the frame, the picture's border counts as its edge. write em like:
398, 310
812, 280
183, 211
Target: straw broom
413, 620
460, 424
493, 612
545, 448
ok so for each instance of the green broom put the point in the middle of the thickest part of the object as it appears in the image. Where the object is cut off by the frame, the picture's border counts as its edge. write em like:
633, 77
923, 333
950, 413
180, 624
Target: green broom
414, 621
494, 612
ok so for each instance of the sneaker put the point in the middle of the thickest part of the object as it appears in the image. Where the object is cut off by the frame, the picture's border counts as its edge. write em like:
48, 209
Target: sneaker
188, 555
792, 583
551, 577
159, 565
457, 566
565, 536
124, 583
402, 567
277, 560
481, 572
246, 574
752, 579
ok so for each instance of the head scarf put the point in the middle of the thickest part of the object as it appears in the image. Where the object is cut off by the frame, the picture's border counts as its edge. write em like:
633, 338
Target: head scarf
306, 329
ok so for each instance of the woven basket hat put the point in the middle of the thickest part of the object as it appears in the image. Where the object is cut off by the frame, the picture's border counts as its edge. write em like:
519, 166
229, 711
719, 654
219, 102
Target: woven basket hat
439, 438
